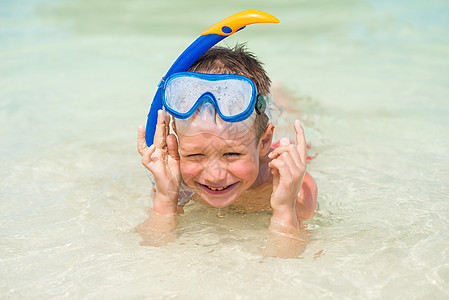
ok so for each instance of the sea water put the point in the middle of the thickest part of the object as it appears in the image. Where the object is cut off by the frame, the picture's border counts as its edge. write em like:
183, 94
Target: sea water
369, 80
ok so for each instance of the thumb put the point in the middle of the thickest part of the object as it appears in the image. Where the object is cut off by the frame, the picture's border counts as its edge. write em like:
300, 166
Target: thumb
172, 146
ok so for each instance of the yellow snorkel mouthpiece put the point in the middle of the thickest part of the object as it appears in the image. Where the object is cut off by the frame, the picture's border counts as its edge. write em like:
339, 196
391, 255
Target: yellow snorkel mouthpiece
237, 21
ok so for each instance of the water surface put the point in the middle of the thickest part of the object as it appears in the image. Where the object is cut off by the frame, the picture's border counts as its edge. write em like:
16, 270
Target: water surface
369, 79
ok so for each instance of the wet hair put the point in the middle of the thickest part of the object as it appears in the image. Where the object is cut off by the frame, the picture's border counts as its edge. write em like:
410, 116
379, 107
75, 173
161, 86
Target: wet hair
237, 60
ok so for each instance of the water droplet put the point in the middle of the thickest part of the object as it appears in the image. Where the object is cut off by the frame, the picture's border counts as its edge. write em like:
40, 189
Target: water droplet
220, 214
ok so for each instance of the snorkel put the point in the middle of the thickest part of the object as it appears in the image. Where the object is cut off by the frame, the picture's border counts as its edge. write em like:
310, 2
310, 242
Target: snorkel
204, 42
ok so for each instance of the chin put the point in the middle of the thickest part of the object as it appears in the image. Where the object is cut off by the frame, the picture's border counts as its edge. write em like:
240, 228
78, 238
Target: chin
218, 203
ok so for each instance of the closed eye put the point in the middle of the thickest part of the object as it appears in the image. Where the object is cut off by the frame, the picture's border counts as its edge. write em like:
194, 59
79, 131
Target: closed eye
235, 154
194, 155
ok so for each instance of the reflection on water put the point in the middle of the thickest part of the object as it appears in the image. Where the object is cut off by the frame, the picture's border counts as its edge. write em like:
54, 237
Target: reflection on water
368, 78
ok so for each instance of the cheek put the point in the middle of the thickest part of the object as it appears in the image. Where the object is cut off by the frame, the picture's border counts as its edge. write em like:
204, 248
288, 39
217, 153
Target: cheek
247, 170
189, 169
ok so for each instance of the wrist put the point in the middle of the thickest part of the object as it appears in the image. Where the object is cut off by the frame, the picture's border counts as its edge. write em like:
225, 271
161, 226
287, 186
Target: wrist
286, 217
163, 205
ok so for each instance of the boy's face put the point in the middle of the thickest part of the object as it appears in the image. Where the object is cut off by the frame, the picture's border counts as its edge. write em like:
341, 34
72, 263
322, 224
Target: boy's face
219, 170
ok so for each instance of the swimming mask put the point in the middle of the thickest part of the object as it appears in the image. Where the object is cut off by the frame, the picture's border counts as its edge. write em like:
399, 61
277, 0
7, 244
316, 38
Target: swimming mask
233, 96
221, 104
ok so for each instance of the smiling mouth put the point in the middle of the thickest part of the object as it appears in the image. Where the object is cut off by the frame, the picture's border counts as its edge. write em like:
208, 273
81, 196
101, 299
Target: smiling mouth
217, 190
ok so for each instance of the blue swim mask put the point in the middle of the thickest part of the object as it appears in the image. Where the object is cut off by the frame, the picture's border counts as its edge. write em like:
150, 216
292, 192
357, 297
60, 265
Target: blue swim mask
221, 104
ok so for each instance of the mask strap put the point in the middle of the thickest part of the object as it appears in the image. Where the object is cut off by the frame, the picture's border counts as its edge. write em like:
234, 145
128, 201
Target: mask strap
261, 104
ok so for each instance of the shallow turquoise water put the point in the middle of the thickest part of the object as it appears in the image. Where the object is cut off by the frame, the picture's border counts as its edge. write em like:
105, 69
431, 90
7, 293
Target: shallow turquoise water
369, 78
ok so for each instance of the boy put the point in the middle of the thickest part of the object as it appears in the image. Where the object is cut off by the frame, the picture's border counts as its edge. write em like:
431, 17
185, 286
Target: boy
225, 162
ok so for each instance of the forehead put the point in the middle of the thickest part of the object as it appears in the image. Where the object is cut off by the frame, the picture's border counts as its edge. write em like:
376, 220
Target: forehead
210, 141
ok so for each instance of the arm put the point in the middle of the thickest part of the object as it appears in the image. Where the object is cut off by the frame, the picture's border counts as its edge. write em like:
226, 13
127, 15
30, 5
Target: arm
157, 230
162, 159
290, 179
286, 241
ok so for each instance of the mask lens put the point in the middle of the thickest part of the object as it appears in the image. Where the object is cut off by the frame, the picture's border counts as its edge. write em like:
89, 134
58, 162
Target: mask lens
231, 94
233, 97
181, 93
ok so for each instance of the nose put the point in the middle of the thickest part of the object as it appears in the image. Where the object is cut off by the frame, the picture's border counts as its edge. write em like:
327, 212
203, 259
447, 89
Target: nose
215, 172
207, 108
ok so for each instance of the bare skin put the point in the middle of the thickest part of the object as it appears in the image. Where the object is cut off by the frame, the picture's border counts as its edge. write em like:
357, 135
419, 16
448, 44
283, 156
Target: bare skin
239, 175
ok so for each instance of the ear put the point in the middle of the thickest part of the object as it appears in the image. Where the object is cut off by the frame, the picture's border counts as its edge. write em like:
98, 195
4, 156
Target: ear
266, 140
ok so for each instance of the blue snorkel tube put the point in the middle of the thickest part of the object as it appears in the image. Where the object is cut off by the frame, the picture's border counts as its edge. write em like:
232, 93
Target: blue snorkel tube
207, 40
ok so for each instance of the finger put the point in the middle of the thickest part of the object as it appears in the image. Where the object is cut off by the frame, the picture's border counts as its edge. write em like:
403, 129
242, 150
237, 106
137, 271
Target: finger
160, 134
167, 122
290, 179
296, 170
146, 156
172, 146
284, 171
290, 149
141, 142
274, 170
289, 161
300, 141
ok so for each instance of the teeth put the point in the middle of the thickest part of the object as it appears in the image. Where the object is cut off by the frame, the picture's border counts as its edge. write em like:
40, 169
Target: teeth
217, 189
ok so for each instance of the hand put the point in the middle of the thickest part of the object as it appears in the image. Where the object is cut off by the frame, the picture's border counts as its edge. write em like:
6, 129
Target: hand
288, 167
162, 159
